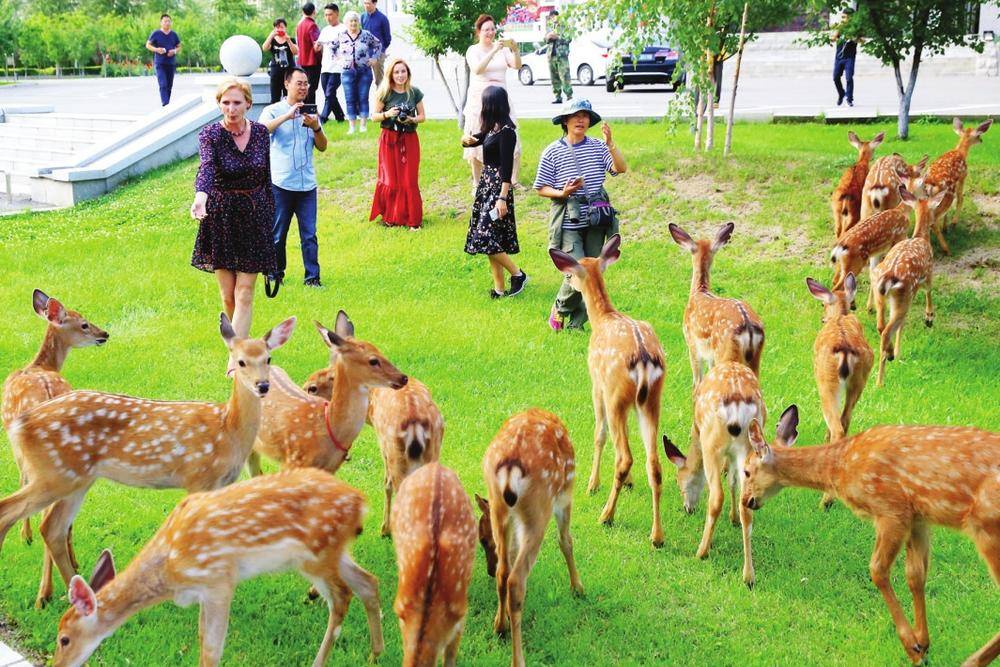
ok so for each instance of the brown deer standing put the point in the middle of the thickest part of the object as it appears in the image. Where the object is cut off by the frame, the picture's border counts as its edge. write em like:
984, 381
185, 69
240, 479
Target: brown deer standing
905, 478
407, 422
716, 329
881, 191
845, 202
626, 368
434, 533
529, 469
724, 403
303, 520
906, 268
70, 442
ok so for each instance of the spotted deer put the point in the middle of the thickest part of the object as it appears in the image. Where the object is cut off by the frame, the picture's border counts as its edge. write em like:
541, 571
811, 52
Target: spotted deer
68, 443
434, 533
529, 469
302, 430
724, 403
716, 329
303, 520
881, 191
947, 174
907, 267
905, 479
407, 422
626, 366
845, 202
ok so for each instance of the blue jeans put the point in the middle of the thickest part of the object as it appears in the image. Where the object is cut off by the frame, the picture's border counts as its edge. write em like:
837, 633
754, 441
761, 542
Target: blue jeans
165, 77
330, 82
357, 82
844, 66
303, 205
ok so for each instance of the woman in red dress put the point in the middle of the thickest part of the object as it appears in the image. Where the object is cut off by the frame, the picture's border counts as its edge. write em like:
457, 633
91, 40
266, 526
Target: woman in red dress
400, 107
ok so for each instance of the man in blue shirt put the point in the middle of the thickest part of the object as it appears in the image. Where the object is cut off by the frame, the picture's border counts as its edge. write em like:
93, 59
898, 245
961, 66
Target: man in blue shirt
377, 24
166, 45
293, 177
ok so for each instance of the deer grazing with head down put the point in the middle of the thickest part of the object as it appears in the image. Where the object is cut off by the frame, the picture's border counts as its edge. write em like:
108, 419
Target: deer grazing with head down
434, 533
716, 329
904, 478
529, 469
626, 369
881, 191
68, 443
845, 202
303, 520
724, 403
407, 422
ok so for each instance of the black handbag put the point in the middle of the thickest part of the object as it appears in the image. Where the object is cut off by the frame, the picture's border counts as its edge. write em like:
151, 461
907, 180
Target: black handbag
271, 287
600, 213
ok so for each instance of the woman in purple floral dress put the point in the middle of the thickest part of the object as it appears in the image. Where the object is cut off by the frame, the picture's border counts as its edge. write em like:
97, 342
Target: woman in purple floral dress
234, 203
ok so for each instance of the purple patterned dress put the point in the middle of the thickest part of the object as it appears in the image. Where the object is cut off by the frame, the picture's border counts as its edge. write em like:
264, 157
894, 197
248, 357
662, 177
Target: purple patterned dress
236, 232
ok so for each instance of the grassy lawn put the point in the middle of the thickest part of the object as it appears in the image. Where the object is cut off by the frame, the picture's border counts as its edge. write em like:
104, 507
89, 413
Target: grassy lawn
123, 261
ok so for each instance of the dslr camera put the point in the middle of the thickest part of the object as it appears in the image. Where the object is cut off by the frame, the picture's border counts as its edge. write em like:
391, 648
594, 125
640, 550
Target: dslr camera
405, 113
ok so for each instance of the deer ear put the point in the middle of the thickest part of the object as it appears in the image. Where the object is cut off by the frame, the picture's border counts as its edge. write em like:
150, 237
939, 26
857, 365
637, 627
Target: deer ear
786, 432
855, 141
54, 311
850, 286
956, 124
104, 571
226, 329
331, 338
723, 235
484, 505
818, 291
344, 327
682, 238
756, 437
563, 261
907, 196
936, 200
876, 140
923, 163
674, 455
611, 251
981, 130
40, 302
280, 334
82, 596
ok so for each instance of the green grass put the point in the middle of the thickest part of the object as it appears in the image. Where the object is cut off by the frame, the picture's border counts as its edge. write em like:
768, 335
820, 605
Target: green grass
123, 260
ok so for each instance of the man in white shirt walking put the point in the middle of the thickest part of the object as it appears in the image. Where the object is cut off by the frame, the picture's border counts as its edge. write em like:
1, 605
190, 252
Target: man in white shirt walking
331, 70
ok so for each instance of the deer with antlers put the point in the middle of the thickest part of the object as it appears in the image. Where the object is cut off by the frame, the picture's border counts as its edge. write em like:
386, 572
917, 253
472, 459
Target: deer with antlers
529, 469
724, 403
626, 366
434, 533
845, 202
881, 190
716, 329
302, 519
68, 443
904, 478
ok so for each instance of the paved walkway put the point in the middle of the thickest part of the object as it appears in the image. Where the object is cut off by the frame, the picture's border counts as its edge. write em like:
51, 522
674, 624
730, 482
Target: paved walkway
10, 658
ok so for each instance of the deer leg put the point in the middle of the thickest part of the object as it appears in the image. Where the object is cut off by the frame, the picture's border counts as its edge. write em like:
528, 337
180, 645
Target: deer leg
695, 366
253, 464
55, 530
987, 654
897, 316
889, 536
929, 306
24, 502
938, 225
649, 425
26, 524
879, 309
365, 586
600, 437
531, 540
386, 529
213, 625
872, 278
623, 459
451, 651
502, 539
562, 509
746, 524
716, 494
338, 597
917, 552
959, 200
987, 540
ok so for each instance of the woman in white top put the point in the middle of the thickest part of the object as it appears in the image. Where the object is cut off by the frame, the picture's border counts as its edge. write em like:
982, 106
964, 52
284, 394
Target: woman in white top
488, 60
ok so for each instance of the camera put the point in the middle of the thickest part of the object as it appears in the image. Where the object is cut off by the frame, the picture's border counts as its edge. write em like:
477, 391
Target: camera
405, 113
308, 109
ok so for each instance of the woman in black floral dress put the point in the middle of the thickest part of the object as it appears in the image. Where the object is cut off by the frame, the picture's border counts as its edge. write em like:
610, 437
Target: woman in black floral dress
492, 229
234, 203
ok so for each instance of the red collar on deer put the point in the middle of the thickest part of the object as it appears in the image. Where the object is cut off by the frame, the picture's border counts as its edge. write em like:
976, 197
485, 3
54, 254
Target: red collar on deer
329, 431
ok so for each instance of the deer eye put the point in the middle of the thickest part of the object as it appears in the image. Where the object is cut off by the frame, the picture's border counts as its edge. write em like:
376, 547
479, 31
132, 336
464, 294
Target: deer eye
64, 640
84, 326
243, 364
313, 389
373, 362
746, 473
269, 361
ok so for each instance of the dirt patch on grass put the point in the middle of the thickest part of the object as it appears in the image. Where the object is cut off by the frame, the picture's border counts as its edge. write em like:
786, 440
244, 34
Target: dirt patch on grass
977, 268
988, 207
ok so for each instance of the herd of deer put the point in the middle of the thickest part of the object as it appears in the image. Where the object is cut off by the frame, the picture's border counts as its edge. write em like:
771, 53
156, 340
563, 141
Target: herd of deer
904, 478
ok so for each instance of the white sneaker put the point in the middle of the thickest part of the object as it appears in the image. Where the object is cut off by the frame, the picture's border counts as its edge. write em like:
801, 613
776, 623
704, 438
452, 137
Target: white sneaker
364, 128
350, 130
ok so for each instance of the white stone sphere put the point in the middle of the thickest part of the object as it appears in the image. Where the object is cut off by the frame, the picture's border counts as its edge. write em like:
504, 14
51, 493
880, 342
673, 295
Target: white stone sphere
240, 55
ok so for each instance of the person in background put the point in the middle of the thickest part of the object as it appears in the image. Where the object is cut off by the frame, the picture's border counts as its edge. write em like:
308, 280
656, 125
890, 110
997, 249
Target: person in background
558, 60
283, 51
294, 135
356, 50
306, 34
492, 228
165, 44
233, 204
400, 107
843, 62
329, 78
377, 24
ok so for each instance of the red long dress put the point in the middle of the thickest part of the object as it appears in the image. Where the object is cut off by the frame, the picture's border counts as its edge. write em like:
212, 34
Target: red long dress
397, 191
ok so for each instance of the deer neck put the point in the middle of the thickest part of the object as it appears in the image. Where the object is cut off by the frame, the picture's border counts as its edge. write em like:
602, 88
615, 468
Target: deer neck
963, 147
52, 354
595, 297
348, 406
864, 159
242, 414
142, 584
700, 276
809, 467
922, 227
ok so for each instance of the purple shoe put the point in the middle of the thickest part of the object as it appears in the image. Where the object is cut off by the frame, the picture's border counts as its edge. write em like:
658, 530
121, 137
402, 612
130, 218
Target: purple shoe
555, 321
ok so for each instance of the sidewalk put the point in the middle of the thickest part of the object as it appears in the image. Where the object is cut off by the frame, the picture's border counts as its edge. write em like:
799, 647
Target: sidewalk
10, 658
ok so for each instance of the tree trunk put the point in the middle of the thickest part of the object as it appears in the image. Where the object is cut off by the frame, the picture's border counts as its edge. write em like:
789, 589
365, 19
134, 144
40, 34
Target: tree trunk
699, 113
903, 122
444, 80
736, 81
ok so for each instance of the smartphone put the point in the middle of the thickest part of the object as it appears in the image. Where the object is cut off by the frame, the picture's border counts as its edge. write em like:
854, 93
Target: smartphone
494, 213
308, 109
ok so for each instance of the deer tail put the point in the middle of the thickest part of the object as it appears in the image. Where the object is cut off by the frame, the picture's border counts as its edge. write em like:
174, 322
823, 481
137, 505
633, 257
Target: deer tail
415, 435
512, 480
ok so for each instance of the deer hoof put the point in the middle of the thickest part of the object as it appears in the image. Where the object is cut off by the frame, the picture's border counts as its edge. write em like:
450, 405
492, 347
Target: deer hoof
312, 595
42, 601
929, 323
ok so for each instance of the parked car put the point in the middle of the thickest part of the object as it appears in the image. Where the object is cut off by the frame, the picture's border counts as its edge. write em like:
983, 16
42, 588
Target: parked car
588, 61
656, 65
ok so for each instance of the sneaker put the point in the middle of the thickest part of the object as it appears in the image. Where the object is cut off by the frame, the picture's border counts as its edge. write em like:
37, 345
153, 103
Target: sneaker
313, 282
840, 100
555, 320
558, 100
495, 294
517, 284
364, 128
850, 103
350, 130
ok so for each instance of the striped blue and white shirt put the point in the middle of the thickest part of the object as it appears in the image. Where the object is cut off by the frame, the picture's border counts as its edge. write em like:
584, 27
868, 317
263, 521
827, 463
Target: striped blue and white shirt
557, 166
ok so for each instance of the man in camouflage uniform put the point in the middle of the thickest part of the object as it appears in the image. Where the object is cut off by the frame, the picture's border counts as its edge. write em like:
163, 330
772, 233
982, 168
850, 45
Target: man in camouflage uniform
558, 61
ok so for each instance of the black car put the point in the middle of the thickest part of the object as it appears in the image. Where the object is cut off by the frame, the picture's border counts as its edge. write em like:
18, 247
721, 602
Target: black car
656, 64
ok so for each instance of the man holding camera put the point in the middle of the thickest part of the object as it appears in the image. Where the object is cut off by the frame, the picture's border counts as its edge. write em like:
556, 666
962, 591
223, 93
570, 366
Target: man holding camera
295, 131
165, 44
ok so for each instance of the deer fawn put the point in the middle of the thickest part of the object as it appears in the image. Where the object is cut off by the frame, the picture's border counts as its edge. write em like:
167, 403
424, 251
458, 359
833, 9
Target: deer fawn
302, 519
626, 368
845, 202
299, 430
947, 174
529, 471
434, 533
407, 422
881, 191
724, 403
66, 444
905, 478
716, 329
905, 269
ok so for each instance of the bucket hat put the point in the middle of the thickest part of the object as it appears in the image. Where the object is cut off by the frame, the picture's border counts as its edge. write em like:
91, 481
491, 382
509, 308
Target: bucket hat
575, 106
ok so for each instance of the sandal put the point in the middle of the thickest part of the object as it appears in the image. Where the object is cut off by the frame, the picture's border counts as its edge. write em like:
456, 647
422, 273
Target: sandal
555, 320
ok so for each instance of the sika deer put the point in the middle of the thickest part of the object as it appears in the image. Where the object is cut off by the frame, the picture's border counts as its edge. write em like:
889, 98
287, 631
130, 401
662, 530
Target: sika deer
302, 519
905, 478
881, 191
626, 368
845, 202
724, 403
906, 268
434, 533
529, 471
716, 329
68, 443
